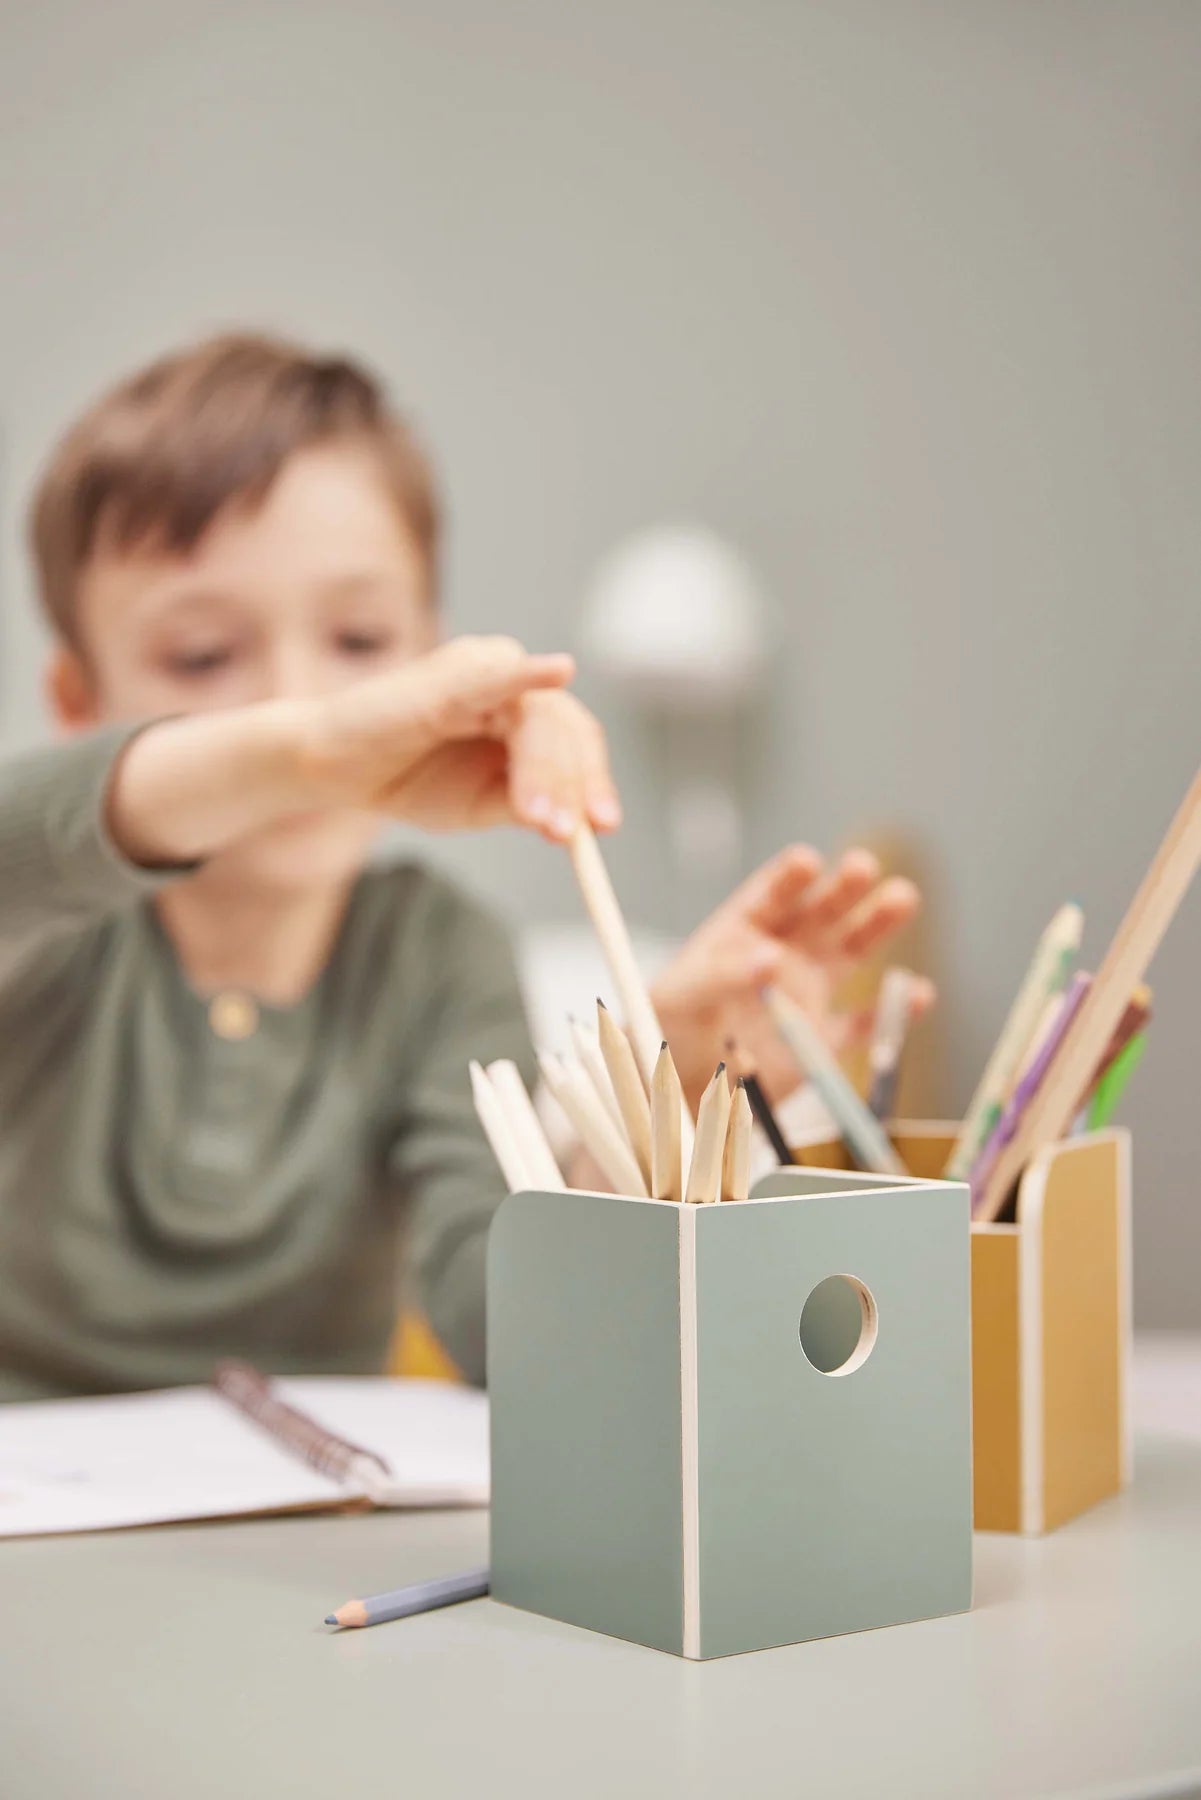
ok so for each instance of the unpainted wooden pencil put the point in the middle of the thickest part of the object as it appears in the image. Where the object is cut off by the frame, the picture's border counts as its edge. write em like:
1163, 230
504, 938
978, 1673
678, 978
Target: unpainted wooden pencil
704, 1170
632, 1102
666, 1107
598, 1134
736, 1158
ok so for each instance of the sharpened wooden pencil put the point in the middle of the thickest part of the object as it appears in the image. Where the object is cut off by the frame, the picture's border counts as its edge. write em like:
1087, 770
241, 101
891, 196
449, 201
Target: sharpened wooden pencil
587, 1048
623, 1072
736, 1157
704, 1170
667, 1181
598, 1134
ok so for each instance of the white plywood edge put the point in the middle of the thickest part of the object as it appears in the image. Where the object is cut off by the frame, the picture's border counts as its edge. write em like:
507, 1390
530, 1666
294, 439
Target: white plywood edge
1031, 1202
689, 1447
1122, 1137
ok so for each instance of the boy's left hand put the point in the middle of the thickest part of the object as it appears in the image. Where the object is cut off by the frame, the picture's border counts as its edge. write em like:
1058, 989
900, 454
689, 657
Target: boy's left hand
798, 925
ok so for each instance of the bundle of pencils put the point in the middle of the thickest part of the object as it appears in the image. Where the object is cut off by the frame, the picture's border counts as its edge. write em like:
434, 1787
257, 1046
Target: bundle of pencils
620, 1093
1069, 1046
622, 1096
633, 1132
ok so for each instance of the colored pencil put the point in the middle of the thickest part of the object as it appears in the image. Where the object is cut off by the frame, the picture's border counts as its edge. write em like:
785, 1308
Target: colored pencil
405, 1602
760, 1105
1032, 1078
1124, 966
1112, 1084
1047, 975
888, 1040
1132, 1022
863, 1135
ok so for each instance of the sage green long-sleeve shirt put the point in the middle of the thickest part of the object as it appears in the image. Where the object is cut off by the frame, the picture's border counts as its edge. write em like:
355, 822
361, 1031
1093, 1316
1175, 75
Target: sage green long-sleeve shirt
172, 1191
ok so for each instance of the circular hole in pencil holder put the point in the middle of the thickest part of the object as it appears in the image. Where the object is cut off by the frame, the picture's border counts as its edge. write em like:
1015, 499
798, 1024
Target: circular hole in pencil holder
839, 1323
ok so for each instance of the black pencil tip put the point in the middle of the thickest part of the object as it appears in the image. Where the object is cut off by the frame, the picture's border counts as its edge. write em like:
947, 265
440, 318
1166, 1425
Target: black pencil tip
331, 1618
663, 1044
719, 1070
601, 1004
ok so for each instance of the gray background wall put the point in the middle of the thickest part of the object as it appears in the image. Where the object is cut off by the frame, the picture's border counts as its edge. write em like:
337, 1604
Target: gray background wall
902, 297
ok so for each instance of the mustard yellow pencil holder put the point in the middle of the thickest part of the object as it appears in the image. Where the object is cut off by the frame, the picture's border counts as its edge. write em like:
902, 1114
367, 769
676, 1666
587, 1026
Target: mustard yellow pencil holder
1050, 1327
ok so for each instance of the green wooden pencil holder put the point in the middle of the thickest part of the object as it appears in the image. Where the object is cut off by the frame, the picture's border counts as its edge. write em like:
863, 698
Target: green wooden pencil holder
723, 1428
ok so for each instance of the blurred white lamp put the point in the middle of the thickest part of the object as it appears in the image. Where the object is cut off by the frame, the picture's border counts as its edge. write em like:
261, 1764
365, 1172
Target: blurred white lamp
676, 619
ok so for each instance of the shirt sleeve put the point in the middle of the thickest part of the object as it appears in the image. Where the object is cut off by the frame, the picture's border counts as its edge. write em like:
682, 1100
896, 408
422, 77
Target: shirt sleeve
439, 1154
59, 868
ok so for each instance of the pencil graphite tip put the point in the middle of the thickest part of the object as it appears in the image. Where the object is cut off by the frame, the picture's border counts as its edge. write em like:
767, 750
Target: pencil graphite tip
663, 1044
601, 1004
331, 1618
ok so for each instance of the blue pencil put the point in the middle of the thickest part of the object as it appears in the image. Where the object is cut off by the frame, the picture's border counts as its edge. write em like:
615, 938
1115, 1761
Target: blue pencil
420, 1597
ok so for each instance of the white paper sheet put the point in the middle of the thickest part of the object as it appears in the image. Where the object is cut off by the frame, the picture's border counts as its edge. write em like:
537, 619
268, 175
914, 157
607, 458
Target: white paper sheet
185, 1453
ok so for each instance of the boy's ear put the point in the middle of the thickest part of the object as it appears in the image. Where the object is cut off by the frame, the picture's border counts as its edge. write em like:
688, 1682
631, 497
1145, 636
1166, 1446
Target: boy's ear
70, 692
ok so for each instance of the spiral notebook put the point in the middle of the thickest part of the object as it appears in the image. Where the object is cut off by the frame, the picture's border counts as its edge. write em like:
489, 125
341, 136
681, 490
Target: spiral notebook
316, 1443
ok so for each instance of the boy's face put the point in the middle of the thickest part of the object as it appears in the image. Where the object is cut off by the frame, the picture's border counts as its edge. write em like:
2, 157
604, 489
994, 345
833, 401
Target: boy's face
318, 587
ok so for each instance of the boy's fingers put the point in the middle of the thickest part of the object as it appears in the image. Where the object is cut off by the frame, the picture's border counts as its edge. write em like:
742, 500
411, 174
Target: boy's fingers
770, 897
890, 906
824, 908
922, 995
471, 678
547, 749
601, 801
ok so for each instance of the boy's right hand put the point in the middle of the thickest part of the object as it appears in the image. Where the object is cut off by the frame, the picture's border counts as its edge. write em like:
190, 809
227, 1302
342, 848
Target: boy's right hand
478, 732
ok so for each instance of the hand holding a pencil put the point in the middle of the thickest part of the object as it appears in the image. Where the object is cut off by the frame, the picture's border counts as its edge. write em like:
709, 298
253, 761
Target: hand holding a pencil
475, 732
478, 732
795, 924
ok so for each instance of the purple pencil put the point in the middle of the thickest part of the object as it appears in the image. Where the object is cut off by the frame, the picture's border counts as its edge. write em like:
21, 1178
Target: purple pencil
1027, 1087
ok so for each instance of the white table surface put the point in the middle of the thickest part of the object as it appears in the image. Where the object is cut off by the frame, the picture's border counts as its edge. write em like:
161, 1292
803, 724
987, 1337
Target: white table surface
190, 1662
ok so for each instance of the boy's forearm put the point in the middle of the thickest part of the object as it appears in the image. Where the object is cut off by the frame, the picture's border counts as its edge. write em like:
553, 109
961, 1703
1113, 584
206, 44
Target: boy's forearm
185, 788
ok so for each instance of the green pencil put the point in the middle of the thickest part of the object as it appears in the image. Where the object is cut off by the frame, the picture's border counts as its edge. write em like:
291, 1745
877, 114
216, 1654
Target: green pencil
1112, 1084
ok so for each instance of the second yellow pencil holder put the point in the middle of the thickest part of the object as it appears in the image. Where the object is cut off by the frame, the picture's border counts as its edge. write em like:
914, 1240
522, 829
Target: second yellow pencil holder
1050, 1327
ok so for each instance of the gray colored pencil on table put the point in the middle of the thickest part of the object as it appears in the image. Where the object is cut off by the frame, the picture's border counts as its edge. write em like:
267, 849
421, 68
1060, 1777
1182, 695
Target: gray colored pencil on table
419, 1597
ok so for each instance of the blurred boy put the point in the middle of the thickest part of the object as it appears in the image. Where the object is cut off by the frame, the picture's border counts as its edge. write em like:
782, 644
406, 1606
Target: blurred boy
232, 1054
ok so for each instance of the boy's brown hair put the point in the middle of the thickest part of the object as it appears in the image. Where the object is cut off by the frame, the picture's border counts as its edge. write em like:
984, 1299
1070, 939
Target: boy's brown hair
154, 461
